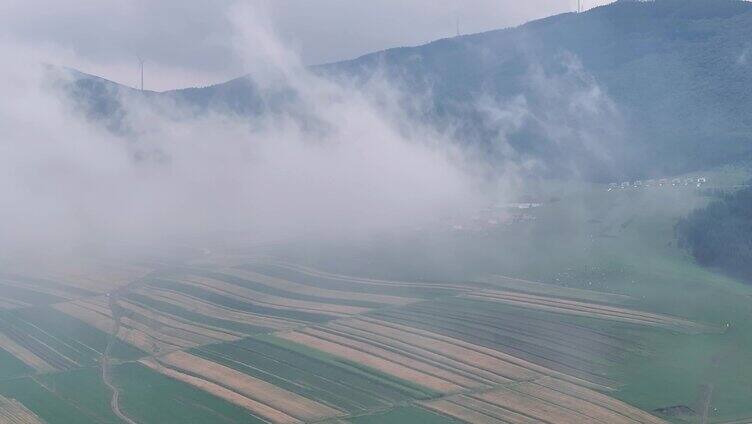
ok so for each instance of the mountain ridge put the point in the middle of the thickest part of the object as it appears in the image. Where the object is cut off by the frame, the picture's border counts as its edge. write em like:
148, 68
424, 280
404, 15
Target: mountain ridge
668, 81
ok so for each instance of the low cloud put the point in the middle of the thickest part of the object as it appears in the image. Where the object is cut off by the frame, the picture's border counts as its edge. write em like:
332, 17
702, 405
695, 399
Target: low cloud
562, 123
350, 166
340, 160
743, 57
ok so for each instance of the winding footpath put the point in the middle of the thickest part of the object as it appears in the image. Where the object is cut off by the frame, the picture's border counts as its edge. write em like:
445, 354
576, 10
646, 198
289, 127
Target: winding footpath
106, 374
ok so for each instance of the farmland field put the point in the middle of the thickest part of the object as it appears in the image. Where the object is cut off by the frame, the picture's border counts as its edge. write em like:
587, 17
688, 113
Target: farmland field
13, 412
604, 320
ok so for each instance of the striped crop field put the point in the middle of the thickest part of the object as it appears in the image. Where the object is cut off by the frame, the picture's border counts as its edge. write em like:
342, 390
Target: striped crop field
340, 384
144, 328
442, 363
532, 287
79, 397
46, 340
589, 309
259, 397
14, 412
545, 400
272, 341
82, 278
18, 292
416, 290
578, 349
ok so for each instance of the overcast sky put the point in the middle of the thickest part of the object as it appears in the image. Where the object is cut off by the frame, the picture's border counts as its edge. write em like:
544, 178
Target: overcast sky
191, 42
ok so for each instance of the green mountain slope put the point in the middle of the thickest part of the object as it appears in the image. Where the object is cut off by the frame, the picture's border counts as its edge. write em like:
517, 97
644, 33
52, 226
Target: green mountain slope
628, 90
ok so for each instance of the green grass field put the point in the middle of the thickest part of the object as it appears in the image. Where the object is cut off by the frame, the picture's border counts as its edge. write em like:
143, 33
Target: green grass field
618, 242
149, 397
10, 366
643, 262
71, 397
410, 414
80, 397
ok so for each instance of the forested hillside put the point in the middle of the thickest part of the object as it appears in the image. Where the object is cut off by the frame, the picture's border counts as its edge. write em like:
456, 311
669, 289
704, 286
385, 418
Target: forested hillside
628, 90
720, 235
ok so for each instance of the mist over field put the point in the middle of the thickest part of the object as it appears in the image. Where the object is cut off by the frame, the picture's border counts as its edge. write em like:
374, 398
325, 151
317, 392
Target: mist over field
338, 158
436, 212
340, 161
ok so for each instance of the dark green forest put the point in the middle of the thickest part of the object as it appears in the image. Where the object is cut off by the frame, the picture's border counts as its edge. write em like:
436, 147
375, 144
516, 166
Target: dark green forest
720, 234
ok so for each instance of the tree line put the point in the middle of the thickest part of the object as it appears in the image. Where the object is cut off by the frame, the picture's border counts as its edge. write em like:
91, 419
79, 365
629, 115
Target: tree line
720, 234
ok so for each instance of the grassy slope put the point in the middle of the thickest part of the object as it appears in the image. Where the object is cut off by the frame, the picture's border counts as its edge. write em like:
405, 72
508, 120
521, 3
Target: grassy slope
74, 397
149, 397
621, 242
79, 397
671, 283
642, 262
10, 366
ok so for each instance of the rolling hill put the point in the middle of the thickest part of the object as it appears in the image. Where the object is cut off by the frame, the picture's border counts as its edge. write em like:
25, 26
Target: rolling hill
628, 90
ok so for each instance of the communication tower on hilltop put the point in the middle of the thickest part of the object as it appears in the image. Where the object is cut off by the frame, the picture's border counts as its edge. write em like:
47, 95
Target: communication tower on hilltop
141, 63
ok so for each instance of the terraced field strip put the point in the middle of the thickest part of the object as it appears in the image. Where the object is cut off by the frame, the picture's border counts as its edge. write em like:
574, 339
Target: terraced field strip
404, 368
89, 277
600, 399
24, 355
441, 363
167, 323
546, 400
350, 278
57, 354
330, 281
7, 303
315, 375
520, 327
148, 330
21, 294
258, 409
58, 339
515, 335
257, 297
240, 301
102, 320
290, 286
593, 310
49, 286
285, 403
407, 414
534, 287
482, 368
199, 310
473, 411
14, 412
520, 368
417, 362
35, 291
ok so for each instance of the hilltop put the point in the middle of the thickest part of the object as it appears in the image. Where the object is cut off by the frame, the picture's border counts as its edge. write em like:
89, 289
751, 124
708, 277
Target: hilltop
632, 89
